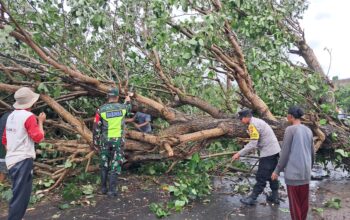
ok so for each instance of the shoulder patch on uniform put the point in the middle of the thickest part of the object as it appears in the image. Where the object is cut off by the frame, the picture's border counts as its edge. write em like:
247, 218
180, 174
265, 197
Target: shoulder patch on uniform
253, 132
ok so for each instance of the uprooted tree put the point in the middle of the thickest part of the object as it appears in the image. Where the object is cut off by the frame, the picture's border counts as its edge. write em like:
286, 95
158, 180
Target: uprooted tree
190, 64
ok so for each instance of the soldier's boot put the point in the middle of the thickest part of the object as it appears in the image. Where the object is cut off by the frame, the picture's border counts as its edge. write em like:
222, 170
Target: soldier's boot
104, 175
250, 200
273, 198
112, 185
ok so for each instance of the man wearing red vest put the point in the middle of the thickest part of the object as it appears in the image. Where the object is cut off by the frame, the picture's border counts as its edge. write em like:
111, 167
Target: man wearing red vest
21, 132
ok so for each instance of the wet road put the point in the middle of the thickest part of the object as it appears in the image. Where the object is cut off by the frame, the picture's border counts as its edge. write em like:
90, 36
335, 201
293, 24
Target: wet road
222, 204
132, 204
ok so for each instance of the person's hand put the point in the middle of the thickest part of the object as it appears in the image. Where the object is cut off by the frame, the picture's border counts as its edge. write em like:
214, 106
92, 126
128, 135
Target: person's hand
136, 125
42, 117
236, 156
131, 94
274, 176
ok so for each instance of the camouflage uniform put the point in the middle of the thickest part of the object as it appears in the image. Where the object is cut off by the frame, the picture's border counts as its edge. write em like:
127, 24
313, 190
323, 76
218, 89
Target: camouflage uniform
108, 138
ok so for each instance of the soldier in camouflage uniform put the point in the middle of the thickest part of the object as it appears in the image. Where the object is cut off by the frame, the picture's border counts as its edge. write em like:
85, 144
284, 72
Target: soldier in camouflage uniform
108, 139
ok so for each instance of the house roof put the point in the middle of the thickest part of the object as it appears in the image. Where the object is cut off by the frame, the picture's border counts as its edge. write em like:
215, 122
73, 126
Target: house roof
341, 82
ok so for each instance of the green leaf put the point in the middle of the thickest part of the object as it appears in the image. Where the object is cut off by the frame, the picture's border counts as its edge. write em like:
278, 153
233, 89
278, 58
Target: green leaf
6, 195
187, 56
124, 188
193, 41
158, 210
48, 183
153, 207
71, 192
342, 153
211, 74
151, 170
318, 210
201, 42
64, 206
68, 164
184, 5
56, 216
193, 191
88, 189
45, 145
42, 88
35, 198
179, 203
313, 88
8, 29
284, 210
334, 136
172, 188
323, 122
333, 203
196, 158
42, 144
56, 91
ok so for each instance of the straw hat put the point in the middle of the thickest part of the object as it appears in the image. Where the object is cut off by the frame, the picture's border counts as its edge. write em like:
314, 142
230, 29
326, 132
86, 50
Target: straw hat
25, 98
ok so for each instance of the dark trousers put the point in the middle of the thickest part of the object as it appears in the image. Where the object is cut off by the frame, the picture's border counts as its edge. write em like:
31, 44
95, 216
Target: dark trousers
266, 167
21, 176
298, 197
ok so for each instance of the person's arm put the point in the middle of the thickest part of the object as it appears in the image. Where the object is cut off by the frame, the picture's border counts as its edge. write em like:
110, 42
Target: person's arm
96, 132
248, 147
147, 121
142, 124
286, 148
312, 152
35, 128
128, 120
41, 120
4, 139
253, 143
127, 102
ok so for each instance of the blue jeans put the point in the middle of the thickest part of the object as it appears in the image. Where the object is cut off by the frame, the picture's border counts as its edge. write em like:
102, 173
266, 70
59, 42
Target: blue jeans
22, 177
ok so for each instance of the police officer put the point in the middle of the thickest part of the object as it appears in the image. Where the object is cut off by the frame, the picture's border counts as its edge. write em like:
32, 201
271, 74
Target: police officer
263, 138
108, 139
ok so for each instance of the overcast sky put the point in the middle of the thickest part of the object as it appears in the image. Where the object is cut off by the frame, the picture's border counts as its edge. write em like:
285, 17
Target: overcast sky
326, 24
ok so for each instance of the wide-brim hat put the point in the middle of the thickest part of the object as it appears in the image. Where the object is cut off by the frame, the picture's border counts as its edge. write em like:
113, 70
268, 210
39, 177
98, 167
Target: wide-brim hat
25, 98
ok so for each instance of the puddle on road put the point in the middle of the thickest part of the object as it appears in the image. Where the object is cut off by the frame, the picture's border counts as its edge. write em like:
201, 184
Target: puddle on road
327, 177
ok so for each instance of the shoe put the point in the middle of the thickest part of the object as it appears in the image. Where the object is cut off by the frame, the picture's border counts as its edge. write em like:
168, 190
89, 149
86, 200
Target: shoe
112, 185
250, 200
111, 194
104, 191
273, 198
104, 175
